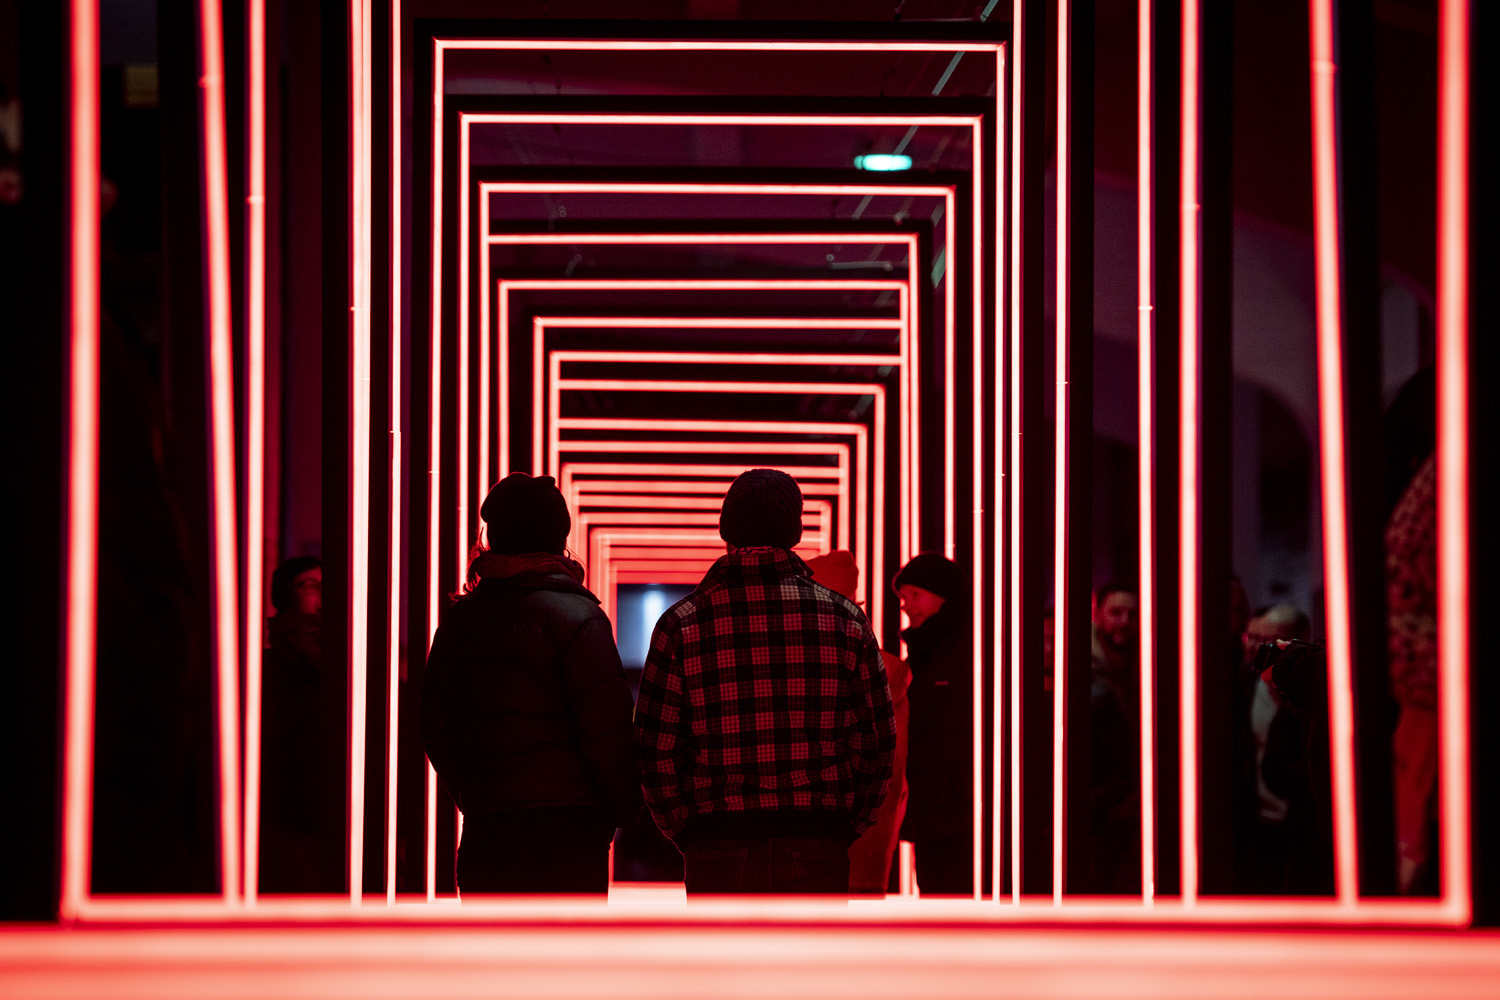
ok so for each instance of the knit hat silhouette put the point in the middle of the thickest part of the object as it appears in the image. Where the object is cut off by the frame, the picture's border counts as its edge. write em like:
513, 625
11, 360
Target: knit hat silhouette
762, 507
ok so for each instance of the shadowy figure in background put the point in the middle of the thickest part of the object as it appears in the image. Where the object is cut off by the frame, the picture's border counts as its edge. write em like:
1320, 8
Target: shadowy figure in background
526, 710
1115, 742
764, 718
1296, 764
940, 764
870, 856
1263, 865
304, 751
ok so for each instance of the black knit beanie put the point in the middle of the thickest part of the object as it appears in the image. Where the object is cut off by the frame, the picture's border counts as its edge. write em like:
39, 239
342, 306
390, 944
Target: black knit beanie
932, 572
762, 507
526, 514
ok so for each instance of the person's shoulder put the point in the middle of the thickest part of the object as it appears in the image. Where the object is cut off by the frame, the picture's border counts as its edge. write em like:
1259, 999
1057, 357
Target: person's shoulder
835, 604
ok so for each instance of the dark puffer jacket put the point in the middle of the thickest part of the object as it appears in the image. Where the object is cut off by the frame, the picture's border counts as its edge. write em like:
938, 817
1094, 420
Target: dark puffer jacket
525, 704
940, 762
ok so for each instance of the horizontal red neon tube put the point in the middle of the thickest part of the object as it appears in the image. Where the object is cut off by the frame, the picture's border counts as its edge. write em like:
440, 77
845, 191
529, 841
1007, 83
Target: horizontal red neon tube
705, 45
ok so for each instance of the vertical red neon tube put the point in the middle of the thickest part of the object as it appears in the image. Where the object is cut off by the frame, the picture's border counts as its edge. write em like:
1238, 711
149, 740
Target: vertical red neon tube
434, 421
255, 421
976, 554
997, 471
361, 203
461, 433
1454, 598
1016, 511
221, 421
393, 667
1331, 431
80, 614
1189, 571
1060, 467
1146, 435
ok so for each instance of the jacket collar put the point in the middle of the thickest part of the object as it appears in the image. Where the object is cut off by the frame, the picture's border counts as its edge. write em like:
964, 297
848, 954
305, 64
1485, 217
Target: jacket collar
530, 571
929, 637
760, 564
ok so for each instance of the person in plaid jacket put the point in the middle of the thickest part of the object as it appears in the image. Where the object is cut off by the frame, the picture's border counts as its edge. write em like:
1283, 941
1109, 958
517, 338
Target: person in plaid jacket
764, 720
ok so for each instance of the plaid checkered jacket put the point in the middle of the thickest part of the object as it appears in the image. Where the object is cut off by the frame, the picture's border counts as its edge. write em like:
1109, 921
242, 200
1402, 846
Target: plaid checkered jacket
764, 692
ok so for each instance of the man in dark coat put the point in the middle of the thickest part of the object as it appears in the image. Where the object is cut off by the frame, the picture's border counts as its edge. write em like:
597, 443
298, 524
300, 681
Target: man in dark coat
526, 710
764, 718
940, 762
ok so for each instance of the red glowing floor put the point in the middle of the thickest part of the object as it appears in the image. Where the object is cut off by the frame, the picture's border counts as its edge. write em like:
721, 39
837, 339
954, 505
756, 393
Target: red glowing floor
666, 952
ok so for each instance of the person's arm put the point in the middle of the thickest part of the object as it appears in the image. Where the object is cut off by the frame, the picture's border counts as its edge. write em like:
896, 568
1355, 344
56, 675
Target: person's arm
662, 733
872, 733
600, 700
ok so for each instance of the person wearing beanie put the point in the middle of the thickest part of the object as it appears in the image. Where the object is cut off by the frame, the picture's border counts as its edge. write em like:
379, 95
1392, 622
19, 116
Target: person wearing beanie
939, 767
764, 720
526, 710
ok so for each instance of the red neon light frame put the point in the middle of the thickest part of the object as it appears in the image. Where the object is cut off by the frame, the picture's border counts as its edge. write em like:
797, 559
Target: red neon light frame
910, 414
542, 324
506, 285
905, 360
654, 562
560, 423
910, 340
710, 495
949, 413
716, 479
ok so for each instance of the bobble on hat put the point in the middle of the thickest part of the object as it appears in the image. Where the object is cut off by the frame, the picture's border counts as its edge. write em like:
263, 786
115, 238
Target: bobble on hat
526, 514
762, 507
933, 573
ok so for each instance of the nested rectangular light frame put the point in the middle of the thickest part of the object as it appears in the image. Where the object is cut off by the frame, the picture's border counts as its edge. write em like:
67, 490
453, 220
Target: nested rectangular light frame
361, 154
998, 50
858, 431
715, 478
1453, 906
694, 534
907, 323
674, 494
1454, 654
978, 228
